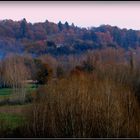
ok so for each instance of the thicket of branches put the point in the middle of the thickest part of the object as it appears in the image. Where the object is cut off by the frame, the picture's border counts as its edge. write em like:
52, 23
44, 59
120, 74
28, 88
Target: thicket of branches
92, 95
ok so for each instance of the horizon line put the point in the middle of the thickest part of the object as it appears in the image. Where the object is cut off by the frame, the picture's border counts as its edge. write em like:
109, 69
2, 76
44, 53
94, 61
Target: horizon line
87, 27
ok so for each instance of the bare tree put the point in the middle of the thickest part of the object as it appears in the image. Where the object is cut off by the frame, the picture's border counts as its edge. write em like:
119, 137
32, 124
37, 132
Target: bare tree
16, 74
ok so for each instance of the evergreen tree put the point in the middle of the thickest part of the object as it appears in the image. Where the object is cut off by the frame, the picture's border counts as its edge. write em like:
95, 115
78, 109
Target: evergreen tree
23, 28
67, 25
60, 26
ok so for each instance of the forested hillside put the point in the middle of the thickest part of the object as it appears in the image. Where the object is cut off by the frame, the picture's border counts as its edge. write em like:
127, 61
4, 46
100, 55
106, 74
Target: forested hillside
61, 38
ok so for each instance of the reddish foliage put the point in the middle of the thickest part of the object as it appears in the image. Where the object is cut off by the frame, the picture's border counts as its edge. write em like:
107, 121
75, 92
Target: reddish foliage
77, 71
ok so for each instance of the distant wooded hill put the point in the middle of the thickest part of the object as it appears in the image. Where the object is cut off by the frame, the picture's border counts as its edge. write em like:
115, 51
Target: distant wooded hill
57, 39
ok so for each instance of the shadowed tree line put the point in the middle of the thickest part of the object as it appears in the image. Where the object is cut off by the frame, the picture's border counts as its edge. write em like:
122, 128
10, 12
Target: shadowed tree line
61, 38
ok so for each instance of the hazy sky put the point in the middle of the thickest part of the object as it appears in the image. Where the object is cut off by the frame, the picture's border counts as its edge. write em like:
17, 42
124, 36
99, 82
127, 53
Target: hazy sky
84, 14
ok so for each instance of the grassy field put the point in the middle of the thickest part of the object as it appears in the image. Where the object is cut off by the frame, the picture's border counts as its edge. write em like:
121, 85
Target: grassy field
12, 116
11, 121
14, 109
7, 92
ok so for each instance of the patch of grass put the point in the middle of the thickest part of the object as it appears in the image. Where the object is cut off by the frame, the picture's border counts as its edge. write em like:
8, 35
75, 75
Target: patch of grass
31, 87
11, 121
14, 109
9, 96
5, 91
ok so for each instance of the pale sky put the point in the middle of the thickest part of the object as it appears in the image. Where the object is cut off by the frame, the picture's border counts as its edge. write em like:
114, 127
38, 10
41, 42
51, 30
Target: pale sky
83, 14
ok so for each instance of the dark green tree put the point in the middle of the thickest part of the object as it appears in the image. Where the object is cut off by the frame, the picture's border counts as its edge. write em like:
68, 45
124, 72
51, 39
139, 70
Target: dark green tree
60, 26
23, 28
67, 25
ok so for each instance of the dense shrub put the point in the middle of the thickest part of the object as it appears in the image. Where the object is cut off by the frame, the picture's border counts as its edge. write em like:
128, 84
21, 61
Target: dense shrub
84, 107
